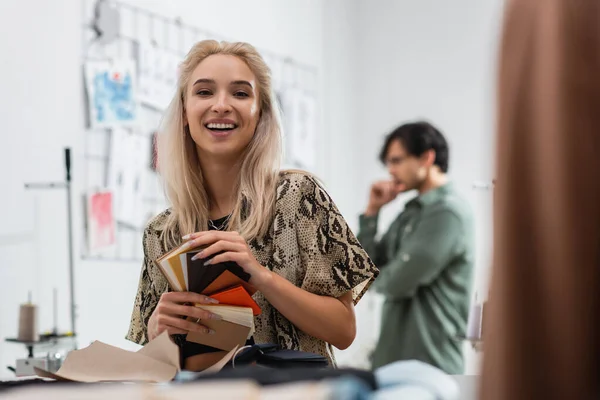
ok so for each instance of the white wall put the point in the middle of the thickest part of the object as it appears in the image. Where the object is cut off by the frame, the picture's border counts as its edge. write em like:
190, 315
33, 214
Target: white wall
380, 63
40, 105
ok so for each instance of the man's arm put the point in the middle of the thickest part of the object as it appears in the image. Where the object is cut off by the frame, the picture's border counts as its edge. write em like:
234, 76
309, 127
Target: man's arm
422, 256
367, 231
381, 193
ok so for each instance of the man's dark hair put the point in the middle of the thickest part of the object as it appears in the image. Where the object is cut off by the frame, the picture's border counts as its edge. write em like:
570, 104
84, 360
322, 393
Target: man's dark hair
417, 138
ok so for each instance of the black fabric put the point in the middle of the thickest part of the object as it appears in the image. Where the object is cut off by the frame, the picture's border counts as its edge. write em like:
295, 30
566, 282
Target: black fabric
250, 355
200, 276
195, 274
274, 356
291, 359
271, 376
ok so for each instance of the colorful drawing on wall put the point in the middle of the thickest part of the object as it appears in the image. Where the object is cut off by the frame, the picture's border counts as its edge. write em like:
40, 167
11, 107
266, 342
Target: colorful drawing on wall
100, 221
111, 93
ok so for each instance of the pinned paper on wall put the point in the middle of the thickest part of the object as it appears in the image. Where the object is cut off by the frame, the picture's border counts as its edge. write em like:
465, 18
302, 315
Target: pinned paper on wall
100, 221
126, 167
111, 93
158, 72
300, 124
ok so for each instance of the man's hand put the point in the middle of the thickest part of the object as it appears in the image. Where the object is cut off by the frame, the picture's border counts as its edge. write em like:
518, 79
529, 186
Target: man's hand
382, 193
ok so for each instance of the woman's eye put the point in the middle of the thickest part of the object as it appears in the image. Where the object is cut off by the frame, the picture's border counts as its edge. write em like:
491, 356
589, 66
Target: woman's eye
240, 94
203, 92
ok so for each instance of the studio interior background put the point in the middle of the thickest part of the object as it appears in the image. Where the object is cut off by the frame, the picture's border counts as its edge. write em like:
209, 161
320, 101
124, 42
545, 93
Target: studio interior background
357, 68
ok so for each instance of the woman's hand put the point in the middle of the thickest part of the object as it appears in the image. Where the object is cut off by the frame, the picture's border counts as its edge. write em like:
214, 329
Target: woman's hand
233, 248
170, 309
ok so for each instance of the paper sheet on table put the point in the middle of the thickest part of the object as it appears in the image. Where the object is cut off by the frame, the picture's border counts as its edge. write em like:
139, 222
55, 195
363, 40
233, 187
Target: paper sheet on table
158, 361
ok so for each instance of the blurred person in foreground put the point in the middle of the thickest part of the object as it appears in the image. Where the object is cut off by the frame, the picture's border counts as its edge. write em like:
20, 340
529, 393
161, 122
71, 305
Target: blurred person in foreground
542, 334
425, 257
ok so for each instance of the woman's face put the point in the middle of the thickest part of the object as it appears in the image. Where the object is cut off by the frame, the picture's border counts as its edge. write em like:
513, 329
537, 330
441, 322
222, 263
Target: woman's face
222, 106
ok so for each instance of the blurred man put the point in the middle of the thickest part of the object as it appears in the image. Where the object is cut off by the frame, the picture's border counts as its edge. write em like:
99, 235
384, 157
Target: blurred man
425, 257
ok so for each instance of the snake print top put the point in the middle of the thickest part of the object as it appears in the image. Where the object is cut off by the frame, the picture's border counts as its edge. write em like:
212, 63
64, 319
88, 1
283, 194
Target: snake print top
309, 243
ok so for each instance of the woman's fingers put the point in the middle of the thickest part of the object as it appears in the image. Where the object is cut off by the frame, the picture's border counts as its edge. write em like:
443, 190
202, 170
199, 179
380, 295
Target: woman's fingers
186, 297
220, 246
175, 305
173, 309
200, 239
237, 257
174, 331
217, 234
194, 235
180, 325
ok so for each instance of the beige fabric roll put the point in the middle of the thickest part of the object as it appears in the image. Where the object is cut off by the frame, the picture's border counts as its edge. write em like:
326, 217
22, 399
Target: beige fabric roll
28, 330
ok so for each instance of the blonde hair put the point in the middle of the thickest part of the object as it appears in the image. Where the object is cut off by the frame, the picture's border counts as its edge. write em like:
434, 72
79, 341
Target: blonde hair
255, 191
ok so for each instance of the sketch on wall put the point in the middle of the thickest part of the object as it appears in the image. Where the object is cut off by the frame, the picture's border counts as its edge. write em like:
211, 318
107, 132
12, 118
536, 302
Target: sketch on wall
126, 169
299, 110
110, 87
158, 72
100, 221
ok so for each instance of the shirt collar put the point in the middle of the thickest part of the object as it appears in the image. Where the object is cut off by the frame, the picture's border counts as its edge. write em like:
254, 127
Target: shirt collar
431, 196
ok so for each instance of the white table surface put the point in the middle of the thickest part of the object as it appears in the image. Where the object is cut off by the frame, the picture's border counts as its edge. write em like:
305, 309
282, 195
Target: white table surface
468, 386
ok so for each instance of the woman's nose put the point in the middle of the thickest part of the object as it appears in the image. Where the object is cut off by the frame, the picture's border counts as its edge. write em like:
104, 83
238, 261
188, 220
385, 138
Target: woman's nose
222, 104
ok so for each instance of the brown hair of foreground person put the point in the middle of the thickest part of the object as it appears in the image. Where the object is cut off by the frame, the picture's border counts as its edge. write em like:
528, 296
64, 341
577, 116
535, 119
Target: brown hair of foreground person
542, 331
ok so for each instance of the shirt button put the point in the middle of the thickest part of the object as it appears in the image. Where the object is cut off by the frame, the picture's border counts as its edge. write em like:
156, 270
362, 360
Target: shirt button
408, 229
405, 257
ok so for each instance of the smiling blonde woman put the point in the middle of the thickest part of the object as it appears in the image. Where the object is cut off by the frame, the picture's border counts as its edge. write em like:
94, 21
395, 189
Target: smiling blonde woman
219, 160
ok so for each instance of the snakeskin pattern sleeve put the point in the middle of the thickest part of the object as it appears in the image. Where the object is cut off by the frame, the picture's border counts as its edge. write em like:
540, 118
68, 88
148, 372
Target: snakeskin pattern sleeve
147, 294
333, 260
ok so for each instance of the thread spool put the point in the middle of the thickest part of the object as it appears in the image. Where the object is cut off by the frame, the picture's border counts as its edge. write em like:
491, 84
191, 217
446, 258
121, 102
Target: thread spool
483, 313
28, 331
474, 322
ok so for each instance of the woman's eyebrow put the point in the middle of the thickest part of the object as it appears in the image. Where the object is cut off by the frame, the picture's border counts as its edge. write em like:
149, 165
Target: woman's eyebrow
245, 83
205, 80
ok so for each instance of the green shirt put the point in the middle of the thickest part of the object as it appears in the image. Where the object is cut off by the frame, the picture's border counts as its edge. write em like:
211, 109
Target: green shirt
426, 262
